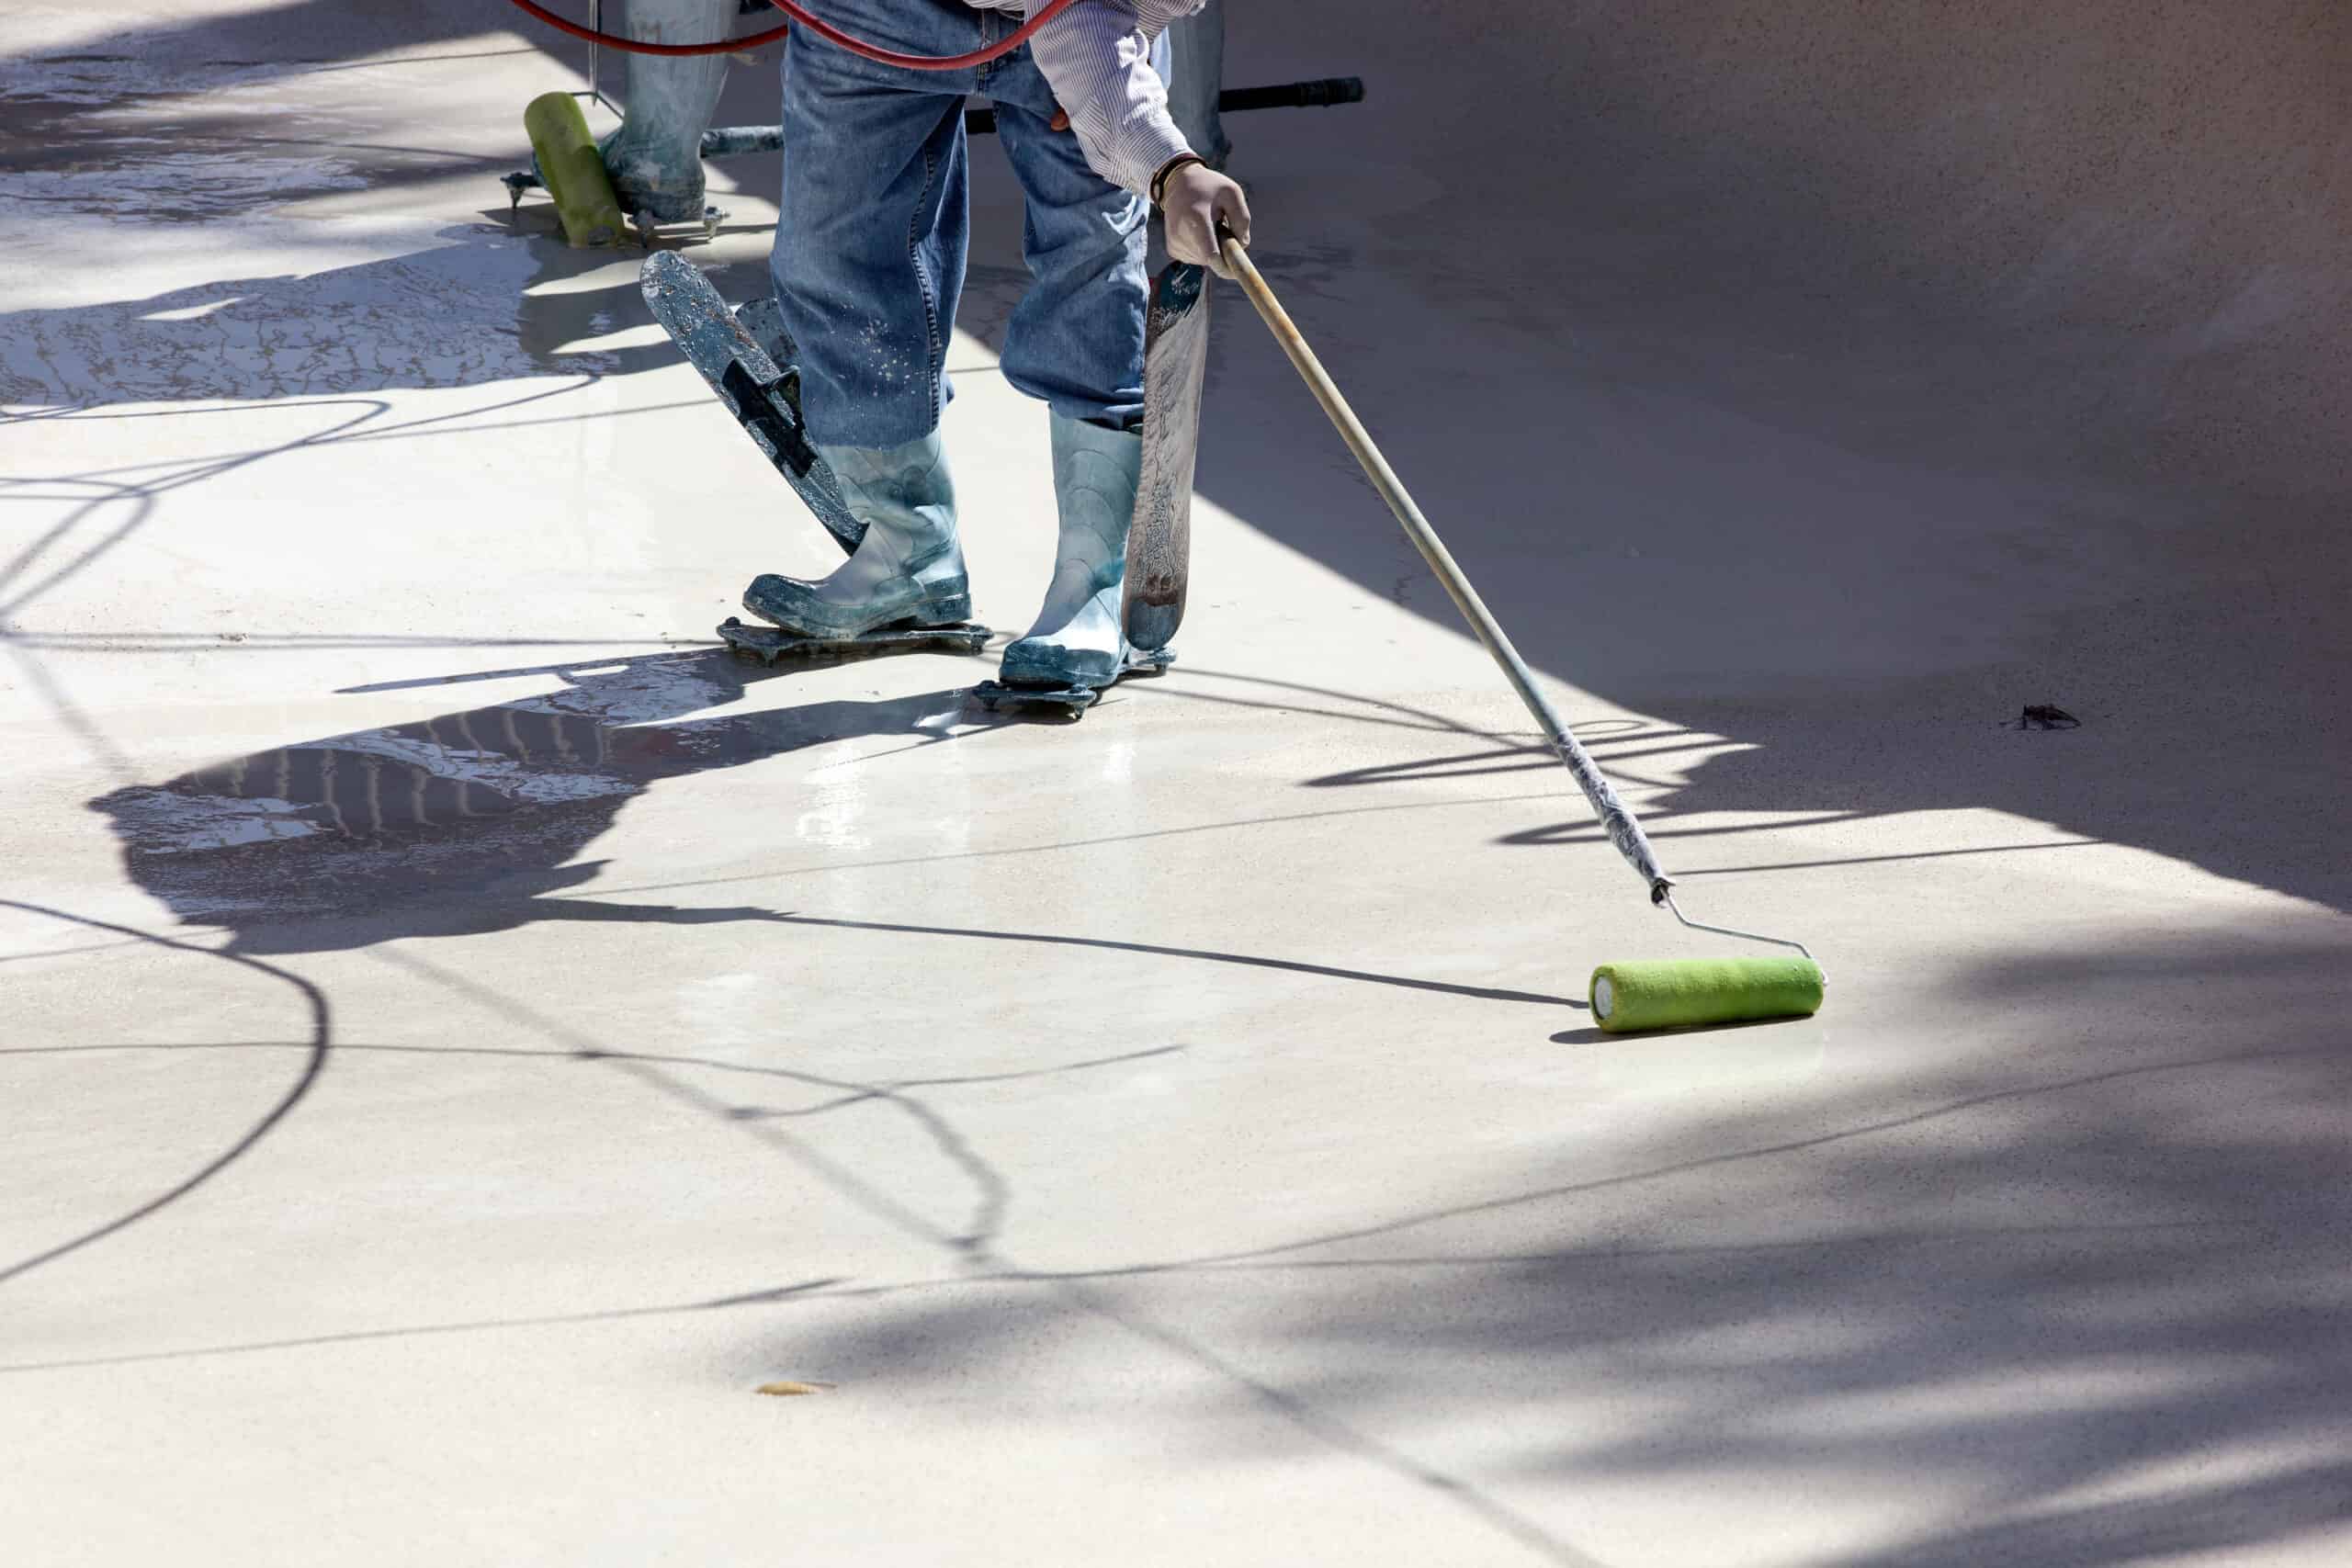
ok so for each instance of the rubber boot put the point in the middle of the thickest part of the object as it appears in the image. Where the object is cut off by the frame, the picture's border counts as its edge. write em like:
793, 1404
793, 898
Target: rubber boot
1077, 639
908, 569
654, 160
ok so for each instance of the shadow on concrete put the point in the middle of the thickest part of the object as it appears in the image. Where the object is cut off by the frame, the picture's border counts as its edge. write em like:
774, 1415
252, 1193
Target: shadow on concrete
474, 821
2090, 1318
314, 1051
467, 823
1863, 609
1772, 477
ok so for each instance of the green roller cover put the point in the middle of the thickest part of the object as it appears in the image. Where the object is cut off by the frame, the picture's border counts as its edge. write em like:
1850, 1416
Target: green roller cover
1668, 994
572, 170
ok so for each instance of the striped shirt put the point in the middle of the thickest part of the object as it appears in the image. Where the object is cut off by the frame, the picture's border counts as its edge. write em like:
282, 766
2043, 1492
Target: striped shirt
1097, 58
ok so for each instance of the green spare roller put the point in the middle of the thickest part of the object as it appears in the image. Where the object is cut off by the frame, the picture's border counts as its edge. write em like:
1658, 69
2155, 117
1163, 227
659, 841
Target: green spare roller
572, 170
1625, 996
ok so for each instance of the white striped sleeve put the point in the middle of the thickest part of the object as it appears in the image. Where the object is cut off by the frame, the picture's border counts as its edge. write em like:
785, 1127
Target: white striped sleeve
1097, 58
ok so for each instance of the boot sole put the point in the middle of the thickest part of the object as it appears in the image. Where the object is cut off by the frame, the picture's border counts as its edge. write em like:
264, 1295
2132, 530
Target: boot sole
1060, 669
944, 610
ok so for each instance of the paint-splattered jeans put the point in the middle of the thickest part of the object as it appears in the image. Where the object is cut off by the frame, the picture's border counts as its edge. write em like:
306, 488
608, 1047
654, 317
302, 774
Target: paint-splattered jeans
870, 242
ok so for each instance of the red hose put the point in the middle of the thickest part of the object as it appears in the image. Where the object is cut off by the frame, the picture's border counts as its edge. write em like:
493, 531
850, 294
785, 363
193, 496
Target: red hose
822, 30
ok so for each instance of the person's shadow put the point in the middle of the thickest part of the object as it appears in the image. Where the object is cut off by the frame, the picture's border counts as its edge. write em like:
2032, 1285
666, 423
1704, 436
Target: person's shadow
469, 821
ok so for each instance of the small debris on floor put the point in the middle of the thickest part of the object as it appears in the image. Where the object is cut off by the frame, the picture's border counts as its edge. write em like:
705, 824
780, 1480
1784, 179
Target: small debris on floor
787, 1389
2042, 716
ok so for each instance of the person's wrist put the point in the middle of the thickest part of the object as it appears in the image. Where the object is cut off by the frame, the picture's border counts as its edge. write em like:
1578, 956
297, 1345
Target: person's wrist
1169, 170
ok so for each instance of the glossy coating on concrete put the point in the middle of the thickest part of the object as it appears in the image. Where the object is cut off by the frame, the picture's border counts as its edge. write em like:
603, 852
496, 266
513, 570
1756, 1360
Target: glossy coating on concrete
461, 1034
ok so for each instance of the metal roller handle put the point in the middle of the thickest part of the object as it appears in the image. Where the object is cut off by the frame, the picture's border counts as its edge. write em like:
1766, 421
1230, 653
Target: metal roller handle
1615, 819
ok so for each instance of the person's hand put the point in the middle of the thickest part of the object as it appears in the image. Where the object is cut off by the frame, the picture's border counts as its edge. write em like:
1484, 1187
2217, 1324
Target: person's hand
1194, 201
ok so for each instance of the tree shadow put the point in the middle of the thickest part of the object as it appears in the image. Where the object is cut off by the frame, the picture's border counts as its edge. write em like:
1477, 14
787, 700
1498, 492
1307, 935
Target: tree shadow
2090, 1315
315, 1051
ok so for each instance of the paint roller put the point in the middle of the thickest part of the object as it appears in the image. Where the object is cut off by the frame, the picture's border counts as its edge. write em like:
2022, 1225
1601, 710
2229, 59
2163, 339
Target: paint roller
572, 170
1626, 997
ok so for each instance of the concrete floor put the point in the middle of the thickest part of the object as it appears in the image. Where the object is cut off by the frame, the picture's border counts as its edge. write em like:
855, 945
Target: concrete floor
1176, 1138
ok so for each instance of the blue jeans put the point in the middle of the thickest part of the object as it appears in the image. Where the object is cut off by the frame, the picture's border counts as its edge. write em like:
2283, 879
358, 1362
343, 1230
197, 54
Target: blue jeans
870, 242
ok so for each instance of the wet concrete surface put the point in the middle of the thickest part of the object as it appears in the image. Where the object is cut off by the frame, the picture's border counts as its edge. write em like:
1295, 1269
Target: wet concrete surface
462, 1032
